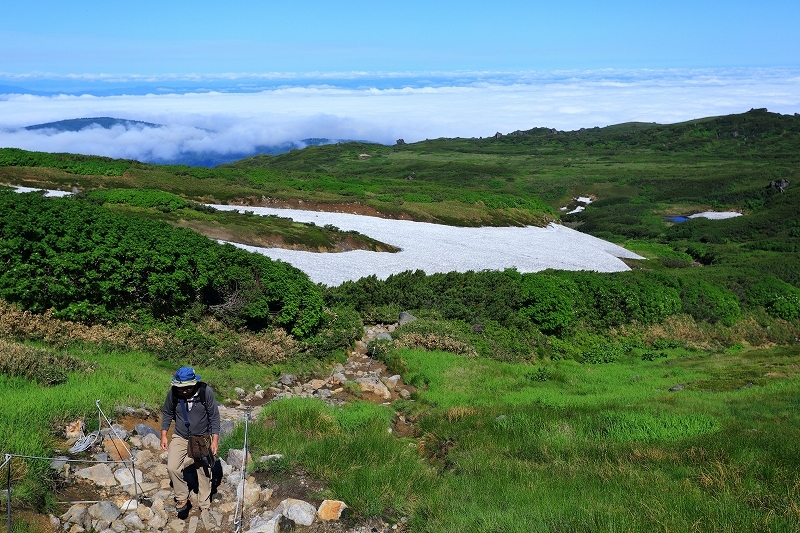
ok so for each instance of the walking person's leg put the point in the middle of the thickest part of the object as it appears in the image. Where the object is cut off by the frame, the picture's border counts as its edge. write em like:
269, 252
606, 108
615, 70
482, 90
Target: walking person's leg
203, 487
175, 459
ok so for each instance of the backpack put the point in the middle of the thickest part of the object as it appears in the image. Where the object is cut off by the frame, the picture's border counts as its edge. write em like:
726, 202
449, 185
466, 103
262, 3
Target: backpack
201, 388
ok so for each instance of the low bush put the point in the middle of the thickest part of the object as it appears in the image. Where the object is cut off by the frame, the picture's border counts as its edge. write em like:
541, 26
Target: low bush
42, 366
341, 327
147, 198
91, 265
777, 297
549, 302
710, 303
607, 352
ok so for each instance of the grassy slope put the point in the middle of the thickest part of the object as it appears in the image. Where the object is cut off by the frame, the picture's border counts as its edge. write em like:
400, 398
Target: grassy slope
571, 447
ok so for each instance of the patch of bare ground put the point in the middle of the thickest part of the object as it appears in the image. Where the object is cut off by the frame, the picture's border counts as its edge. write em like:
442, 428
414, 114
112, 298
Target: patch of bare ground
353, 208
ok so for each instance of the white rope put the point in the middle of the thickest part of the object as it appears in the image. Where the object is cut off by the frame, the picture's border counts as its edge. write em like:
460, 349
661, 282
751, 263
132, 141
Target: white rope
237, 520
84, 443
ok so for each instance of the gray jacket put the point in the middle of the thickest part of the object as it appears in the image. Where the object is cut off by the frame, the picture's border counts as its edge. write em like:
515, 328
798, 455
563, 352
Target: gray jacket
201, 417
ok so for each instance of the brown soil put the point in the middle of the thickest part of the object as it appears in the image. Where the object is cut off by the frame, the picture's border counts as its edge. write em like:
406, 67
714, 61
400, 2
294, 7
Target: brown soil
354, 208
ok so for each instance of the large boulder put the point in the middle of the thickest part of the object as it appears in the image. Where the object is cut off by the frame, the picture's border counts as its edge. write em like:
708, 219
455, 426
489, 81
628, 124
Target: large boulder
300, 512
144, 429
104, 510
405, 318
99, 474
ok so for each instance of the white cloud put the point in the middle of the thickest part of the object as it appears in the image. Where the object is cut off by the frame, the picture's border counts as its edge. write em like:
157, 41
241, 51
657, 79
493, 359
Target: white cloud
238, 122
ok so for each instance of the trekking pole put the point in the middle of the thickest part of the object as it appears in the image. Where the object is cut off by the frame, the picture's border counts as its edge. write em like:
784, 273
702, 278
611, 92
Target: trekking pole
242, 482
8, 488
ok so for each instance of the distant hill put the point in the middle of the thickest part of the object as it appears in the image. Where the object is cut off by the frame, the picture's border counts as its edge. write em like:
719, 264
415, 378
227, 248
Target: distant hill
197, 159
77, 124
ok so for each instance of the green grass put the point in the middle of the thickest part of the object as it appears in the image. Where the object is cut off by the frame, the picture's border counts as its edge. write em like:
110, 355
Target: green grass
591, 448
32, 416
497, 446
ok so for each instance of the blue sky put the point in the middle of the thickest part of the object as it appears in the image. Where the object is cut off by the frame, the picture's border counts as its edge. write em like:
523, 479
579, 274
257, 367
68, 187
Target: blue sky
232, 77
179, 37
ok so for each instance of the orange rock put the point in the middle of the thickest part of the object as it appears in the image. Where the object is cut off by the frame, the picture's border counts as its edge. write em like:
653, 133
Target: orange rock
116, 450
331, 510
75, 430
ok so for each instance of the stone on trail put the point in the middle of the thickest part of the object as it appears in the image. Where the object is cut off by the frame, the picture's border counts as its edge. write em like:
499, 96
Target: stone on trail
236, 458
59, 462
157, 522
74, 513
143, 456
144, 512
74, 431
300, 512
176, 525
151, 441
125, 477
133, 522
331, 510
126, 505
391, 382
270, 526
250, 491
375, 386
99, 474
144, 430
104, 510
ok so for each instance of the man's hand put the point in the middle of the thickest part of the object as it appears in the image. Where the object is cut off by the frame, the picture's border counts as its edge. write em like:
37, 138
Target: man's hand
164, 441
214, 444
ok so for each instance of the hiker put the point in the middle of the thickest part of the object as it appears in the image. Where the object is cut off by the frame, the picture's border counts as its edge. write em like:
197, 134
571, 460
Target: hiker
193, 407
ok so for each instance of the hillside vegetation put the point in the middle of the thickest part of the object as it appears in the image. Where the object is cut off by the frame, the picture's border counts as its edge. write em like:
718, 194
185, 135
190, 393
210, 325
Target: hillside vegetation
542, 400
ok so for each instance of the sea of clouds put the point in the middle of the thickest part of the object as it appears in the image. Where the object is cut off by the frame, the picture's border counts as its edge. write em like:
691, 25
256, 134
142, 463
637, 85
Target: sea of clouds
238, 113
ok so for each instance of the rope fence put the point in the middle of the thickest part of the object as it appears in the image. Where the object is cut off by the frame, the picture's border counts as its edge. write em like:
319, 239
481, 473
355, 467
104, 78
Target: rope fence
238, 520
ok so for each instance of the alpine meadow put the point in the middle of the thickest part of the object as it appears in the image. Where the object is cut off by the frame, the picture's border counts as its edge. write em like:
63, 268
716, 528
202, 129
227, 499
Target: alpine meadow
661, 398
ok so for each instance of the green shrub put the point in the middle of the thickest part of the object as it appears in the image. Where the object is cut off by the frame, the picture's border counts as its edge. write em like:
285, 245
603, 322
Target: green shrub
341, 327
777, 297
89, 264
540, 374
549, 302
710, 303
73, 163
606, 352
147, 198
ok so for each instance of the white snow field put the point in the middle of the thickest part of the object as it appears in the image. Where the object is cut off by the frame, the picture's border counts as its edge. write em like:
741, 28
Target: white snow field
437, 248
716, 215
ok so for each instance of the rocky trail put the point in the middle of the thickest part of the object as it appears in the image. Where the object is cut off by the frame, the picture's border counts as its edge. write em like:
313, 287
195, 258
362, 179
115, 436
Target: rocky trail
109, 496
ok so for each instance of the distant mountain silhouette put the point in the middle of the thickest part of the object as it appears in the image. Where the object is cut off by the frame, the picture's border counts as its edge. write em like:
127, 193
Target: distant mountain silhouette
198, 159
77, 124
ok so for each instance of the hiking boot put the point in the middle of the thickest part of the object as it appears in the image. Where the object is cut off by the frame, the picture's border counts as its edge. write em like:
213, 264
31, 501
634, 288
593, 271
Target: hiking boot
183, 509
205, 516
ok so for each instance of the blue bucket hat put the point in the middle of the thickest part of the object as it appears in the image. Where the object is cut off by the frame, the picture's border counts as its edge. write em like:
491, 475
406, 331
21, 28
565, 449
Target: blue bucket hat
185, 377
